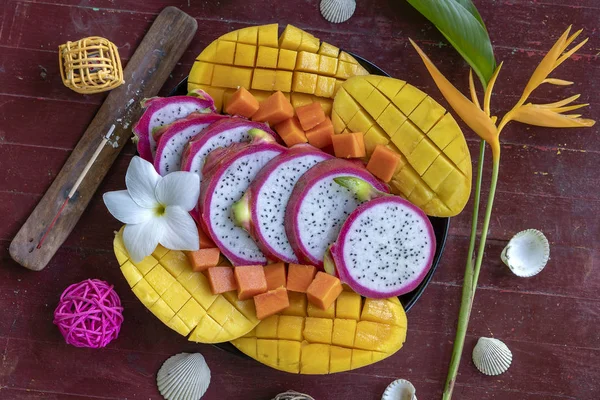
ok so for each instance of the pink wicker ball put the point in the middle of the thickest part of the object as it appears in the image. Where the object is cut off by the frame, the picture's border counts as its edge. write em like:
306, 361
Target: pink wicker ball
89, 314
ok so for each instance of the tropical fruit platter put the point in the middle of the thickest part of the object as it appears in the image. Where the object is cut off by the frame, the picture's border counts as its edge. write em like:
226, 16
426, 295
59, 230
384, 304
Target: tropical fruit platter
295, 203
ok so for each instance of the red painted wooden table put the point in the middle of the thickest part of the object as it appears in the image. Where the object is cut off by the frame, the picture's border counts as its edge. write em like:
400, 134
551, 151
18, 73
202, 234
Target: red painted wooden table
549, 181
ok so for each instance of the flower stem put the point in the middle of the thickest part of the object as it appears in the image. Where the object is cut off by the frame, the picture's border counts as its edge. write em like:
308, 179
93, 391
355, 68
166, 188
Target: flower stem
471, 272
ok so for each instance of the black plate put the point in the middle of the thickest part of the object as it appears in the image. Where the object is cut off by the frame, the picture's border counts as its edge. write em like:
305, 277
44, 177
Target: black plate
440, 225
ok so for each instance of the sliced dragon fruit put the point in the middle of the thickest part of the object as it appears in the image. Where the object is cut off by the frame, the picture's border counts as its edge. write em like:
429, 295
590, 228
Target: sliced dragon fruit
261, 211
173, 138
220, 134
161, 111
318, 207
226, 176
386, 246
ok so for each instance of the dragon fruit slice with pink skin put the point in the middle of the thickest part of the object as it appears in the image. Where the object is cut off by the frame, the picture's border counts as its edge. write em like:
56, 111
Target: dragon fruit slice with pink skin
226, 176
161, 111
386, 246
262, 209
173, 138
318, 207
220, 134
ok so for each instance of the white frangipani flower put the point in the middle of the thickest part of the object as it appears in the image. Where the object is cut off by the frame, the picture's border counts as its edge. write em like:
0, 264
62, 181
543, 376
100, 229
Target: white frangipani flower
155, 209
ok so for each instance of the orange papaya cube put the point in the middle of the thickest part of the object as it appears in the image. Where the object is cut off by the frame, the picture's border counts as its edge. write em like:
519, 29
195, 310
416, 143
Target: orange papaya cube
221, 279
274, 109
291, 132
349, 145
243, 103
324, 290
275, 275
271, 302
204, 259
383, 163
300, 277
320, 136
310, 115
250, 281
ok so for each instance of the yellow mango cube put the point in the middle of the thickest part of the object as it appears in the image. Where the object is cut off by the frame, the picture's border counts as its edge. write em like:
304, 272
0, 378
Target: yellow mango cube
288, 356
304, 82
407, 137
203, 295
326, 104
420, 195
248, 35
290, 38
309, 43
290, 327
361, 122
283, 81
456, 151
422, 156
209, 52
245, 55
373, 137
445, 131
162, 311
376, 103
315, 359
146, 264
391, 119
230, 36
206, 331
348, 306
145, 293
338, 123
307, 62
247, 346
345, 69
427, 113
225, 52
340, 359
267, 35
175, 262
318, 330
201, 73
390, 87
246, 307
347, 107
221, 310
122, 257
325, 86
267, 329
176, 296
408, 98
405, 181
191, 313
267, 351
314, 311
178, 326
297, 306
264, 79
437, 172
222, 76
329, 50
343, 332
287, 59
328, 65
160, 279
383, 311
240, 77
267, 57
359, 89
131, 273
301, 99
360, 358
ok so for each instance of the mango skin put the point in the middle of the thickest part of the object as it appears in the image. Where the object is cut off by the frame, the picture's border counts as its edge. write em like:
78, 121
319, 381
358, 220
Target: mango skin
181, 298
256, 59
435, 170
354, 333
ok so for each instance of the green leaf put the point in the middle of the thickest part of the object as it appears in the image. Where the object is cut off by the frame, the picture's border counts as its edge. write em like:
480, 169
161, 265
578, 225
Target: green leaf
460, 23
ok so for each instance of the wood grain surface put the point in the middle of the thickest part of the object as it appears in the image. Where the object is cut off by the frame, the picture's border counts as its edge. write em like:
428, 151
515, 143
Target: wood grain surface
549, 181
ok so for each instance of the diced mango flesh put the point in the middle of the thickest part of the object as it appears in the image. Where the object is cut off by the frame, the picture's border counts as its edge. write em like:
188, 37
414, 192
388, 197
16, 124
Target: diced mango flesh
256, 59
351, 334
429, 144
182, 299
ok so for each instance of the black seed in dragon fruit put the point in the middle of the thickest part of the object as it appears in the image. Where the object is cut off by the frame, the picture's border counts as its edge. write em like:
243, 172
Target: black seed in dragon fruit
318, 207
262, 210
386, 246
161, 111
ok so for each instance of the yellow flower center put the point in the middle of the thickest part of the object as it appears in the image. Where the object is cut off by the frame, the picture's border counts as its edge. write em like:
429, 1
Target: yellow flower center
160, 210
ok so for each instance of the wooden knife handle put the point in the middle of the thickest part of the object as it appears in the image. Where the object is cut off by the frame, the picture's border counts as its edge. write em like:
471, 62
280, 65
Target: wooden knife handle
144, 75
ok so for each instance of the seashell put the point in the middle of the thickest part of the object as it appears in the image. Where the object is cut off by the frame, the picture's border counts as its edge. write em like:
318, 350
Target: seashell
400, 389
491, 356
337, 11
526, 253
184, 376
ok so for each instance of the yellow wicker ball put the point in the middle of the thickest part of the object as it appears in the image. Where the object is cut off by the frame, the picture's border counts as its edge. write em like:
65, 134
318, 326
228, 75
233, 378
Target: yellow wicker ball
90, 65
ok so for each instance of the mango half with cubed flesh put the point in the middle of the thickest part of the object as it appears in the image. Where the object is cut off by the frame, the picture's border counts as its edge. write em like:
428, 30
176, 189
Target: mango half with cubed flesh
434, 172
296, 63
352, 333
181, 298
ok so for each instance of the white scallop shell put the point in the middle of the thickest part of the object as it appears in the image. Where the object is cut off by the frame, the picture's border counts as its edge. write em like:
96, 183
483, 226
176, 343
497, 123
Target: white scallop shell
184, 376
337, 11
491, 356
400, 389
526, 253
